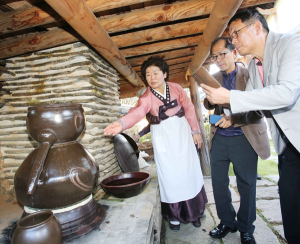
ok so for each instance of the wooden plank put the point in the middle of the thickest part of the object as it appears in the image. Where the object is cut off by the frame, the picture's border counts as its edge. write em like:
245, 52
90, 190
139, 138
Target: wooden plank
161, 33
167, 12
165, 55
161, 46
222, 12
33, 42
36, 16
81, 18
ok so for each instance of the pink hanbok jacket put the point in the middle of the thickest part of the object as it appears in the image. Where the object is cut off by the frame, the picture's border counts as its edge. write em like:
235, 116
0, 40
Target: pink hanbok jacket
153, 104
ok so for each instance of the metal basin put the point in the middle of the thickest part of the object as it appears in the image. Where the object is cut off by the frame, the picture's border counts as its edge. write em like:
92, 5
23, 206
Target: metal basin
126, 185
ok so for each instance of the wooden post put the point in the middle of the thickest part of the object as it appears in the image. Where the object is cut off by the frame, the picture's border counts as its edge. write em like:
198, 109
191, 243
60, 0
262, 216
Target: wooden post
82, 19
203, 151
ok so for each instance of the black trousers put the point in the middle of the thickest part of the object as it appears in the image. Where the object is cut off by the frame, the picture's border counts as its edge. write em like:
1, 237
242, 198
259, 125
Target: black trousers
237, 150
289, 189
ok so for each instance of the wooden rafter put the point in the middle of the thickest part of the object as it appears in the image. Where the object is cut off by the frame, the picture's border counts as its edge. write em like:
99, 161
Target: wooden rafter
36, 16
165, 55
138, 18
161, 46
160, 33
217, 23
81, 18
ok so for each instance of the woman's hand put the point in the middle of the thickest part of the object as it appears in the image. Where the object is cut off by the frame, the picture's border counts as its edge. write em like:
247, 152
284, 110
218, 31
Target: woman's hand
136, 137
114, 128
197, 140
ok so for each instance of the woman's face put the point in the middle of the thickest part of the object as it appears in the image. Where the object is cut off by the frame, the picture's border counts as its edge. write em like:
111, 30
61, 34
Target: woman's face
155, 77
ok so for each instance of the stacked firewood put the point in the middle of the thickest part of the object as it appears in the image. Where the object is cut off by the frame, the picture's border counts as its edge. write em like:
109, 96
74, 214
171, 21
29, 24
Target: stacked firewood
72, 73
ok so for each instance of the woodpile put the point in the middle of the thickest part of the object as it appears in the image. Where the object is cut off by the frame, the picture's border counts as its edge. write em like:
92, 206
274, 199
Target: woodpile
68, 74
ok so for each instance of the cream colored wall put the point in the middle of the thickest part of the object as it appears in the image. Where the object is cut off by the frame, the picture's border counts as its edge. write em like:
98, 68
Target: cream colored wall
287, 18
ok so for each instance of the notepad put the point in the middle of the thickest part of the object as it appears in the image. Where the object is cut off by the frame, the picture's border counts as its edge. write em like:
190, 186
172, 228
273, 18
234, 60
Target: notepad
203, 77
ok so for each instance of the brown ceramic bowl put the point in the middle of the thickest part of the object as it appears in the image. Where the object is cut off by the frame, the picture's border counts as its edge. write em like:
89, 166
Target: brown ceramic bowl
66, 121
126, 185
38, 228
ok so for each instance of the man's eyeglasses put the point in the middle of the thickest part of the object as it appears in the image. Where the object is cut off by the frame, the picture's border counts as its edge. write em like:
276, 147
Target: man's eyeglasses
235, 33
220, 56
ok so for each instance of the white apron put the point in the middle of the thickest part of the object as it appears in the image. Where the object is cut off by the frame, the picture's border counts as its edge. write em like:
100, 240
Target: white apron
178, 167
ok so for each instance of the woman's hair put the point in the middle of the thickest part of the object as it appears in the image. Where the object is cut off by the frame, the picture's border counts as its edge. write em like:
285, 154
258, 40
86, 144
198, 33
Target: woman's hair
155, 61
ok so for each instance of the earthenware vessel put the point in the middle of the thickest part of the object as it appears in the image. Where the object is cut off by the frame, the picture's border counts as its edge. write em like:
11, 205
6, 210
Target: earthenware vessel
60, 172
38, 228
126, 185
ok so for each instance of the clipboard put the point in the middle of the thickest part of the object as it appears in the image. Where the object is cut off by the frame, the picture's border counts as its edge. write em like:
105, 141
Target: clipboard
203, 77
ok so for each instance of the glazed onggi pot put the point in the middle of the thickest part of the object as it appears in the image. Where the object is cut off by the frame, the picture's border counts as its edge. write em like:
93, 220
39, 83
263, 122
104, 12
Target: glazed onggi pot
60, 172
38, 228
65, 122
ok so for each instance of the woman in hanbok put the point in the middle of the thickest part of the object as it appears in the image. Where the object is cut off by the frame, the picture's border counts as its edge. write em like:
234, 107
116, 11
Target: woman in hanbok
174, 131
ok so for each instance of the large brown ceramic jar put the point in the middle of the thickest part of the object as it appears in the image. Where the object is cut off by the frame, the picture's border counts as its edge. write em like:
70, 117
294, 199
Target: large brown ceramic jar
60, 172
38, 228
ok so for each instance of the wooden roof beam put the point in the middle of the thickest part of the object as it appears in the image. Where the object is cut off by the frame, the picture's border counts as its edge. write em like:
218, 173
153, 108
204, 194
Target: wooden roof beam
161, 46
138, 18
145, 17
82, 19
160, 33
137, 61
36, 16
222, 12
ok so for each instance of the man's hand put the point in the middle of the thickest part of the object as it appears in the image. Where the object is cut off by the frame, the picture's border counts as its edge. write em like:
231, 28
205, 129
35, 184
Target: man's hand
216, 95
113, 129
225, 122
197, 140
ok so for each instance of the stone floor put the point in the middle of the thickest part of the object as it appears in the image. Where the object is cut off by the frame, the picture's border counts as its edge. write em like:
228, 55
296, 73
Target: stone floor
269, 229
135, 220
268, 219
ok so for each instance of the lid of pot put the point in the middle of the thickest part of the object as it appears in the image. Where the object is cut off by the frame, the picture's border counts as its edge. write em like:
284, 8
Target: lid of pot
127, 152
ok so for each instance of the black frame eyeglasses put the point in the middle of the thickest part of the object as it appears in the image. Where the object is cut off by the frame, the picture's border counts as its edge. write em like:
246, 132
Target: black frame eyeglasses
236, 33
220, 56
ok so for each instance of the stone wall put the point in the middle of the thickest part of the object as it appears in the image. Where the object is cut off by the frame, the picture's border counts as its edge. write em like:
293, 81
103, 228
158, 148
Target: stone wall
68, 74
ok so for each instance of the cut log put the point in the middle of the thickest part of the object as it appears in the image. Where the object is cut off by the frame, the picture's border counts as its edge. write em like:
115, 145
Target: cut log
35, 16
165, 55
80, 17
138, 18
160, 33
222, 12
161, 46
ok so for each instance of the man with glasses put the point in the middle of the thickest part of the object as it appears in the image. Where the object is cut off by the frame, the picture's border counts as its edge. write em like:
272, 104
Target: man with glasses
274, 86
234, 139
